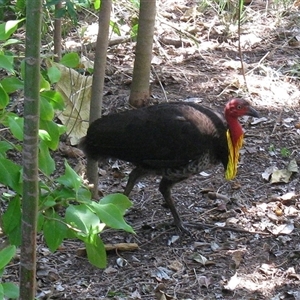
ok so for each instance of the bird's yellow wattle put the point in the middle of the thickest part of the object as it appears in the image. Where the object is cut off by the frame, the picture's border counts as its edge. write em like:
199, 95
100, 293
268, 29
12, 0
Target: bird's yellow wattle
233, 155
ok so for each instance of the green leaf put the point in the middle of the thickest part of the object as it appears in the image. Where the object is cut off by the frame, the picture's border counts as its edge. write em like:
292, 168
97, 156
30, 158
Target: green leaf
84, 195
16, 125
96, 252
54, 98
97, 4
12, 216
10, 290
8, 28
61, 128
71, 11
11, 42
40, 221
1, 290
44, 135
6, 63
6, 255
53, 74
46, 162
64, 193
54, 231
119, 200
12, 84
4, 146
44, 84
53, 129
46, 110
10, 175
115, 27
111, 216
70, 178
70, 60
82, 218
4, 99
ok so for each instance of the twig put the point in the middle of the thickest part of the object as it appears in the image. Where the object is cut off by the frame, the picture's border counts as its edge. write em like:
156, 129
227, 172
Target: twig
240, 49
160, 84
199, 226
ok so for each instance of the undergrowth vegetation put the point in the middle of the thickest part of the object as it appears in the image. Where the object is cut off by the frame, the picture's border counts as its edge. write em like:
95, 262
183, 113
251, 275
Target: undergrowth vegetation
66, 209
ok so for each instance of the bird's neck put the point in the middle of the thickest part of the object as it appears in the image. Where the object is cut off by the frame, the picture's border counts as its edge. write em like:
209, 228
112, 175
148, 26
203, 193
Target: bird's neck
235, 129
235, 137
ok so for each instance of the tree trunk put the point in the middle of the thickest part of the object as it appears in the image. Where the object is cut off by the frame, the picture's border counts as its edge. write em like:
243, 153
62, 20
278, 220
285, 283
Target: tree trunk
57, 33
30, 149
98, 83
140, 88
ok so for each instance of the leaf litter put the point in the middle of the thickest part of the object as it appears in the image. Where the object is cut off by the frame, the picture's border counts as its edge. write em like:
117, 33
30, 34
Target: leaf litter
260, 262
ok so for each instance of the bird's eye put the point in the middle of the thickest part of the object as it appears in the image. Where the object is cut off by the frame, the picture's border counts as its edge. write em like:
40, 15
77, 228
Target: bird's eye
239, 107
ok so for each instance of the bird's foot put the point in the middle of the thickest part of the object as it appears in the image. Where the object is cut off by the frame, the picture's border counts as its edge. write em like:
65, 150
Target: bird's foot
182, 228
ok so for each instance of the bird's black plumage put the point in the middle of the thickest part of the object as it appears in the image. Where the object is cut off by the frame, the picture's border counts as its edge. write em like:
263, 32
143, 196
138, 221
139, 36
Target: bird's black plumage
167, 135
174, 140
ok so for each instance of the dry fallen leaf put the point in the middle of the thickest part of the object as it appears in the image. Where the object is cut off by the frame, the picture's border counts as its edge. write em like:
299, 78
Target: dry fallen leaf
237, 256
232, 283
76, 91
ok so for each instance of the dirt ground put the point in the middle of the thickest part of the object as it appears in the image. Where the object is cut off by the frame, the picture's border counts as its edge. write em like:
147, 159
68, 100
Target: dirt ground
249, 245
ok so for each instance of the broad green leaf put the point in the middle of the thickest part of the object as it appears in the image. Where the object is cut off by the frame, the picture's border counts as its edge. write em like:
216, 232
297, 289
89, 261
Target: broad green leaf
12, 215
61, 129
10, 175
4, 99
44, 135
111, 216
84, 195
54, 231
11, 42
54, 98
12, 84
71, 11
8, 28
6, 255
15, 235
82, 218
96, 252
6, 63
53, 129
50, 202
44, 84
65, 193
4, 146
70, 60
46, 110
53, 74
70, 178
40, 221
115, 27
1, 291
46, 162
10, 290
16, 125
119, 200
97, 4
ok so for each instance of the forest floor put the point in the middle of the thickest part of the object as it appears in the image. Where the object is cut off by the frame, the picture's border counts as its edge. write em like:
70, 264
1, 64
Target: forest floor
250, 248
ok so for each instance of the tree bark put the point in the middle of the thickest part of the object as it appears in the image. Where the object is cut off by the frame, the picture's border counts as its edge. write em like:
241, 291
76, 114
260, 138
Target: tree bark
30, 149
98, 83
140, 88
57, 33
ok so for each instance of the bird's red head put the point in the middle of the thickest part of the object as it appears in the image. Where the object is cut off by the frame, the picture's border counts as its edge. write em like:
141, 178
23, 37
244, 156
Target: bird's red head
237, 108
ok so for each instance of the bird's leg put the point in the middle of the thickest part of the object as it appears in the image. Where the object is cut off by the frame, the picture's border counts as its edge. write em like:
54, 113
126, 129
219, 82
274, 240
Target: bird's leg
165, 188
134, 175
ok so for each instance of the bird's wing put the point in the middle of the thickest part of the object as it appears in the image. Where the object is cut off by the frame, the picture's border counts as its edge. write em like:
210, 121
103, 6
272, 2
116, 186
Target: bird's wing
166, 135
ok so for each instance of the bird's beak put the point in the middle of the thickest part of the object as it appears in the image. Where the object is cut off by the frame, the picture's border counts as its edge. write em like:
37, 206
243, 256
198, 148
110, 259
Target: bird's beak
252, 112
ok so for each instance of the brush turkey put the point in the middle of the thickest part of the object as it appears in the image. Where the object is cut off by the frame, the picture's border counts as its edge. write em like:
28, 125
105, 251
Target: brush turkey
173, 140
